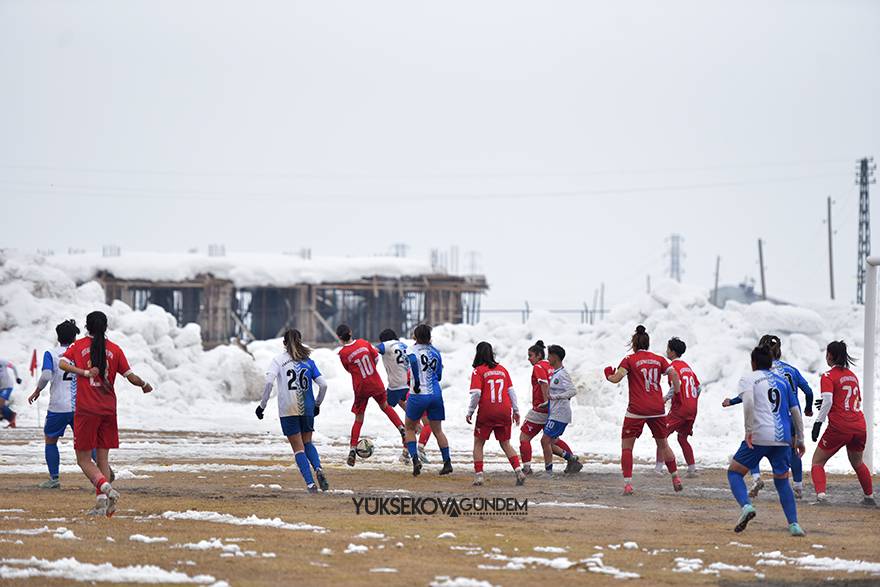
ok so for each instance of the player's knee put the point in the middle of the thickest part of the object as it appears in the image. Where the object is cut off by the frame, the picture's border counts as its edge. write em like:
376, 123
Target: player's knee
780, 475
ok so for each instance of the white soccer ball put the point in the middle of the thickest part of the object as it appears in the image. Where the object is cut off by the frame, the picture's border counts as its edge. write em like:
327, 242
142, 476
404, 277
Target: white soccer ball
364, 448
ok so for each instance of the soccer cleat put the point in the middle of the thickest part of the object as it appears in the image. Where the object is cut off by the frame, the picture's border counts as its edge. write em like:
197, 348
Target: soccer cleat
757, 486
50, 484
478, 479
869, 501
417, 467
352, 456
112, 499
676, 483
404, 457
798, 492
100, 508
447, 468
795, 529
520, 478
423, 456
527, 468
322, 480
573, 465
659, 469
628, 489
312, 488
692, 473
747, 514
821, 499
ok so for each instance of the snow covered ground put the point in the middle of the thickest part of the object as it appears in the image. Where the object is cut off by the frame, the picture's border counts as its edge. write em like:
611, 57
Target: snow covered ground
215, 391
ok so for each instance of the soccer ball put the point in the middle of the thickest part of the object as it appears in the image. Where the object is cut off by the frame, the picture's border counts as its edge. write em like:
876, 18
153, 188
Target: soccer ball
364, 448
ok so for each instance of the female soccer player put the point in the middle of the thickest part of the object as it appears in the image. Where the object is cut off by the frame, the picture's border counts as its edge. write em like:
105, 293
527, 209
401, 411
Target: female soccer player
643, 370
492, 390
842, 405
684, 404
6, 390
96, 361
62, 399
297, 407
537, 415
426, 369
559, 395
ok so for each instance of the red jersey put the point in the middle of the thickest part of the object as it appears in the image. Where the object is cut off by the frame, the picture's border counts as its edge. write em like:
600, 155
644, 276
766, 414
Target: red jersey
359, 358
91, 396
846, 404
493, 384
684, 403
643, 372
541, 373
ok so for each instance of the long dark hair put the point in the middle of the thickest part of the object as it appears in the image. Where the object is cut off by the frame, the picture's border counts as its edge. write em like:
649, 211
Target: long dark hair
640, 340
67, 331
96, 324
538, 349
839, 356
772, 342
295, 348
485, 356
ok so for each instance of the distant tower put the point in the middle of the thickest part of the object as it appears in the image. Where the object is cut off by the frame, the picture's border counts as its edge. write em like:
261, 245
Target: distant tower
399, 249
675, 256
865, 176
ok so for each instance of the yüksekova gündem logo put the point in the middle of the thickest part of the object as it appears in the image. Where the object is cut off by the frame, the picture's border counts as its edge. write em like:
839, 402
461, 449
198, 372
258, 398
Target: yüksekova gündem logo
410, 505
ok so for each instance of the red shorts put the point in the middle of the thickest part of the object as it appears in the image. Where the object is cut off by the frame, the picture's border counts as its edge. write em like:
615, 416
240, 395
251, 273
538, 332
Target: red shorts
531, 429
833, 440
484, 431
92, 431
675, 423
362, 398
632, 427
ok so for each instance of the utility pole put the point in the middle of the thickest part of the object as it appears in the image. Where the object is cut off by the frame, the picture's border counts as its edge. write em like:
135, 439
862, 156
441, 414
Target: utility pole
602, 301
761, 262
865, 171
830, 251
675, 241
648, 282
595, 305
717, 270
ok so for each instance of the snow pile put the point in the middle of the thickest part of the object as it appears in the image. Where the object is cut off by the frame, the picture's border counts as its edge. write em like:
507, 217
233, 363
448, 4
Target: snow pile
73, 570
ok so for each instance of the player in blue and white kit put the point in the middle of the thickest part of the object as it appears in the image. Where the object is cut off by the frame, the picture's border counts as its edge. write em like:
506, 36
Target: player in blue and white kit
295, 373
426, 369
770, 411
62, 399
6, 390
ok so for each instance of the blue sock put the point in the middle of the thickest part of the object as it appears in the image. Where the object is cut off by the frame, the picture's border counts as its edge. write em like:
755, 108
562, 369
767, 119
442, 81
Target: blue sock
303, 463
566, 455
53, 459
786, 498
312, 455
7, 413
413, 450
445, 452
756, 470
797, 467
548, 467
738, 487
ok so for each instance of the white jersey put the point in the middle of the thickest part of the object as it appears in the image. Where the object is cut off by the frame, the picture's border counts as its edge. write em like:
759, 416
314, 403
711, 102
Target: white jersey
62, 393
294, 379
6, 380
396, 365
767, 399
561, 391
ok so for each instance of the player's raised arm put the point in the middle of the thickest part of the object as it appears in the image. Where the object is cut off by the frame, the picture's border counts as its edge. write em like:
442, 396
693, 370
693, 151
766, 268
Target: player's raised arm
615, 375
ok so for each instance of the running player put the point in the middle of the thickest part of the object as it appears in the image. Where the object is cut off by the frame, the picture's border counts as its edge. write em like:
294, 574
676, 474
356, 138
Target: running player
767, 403
6, 390
842, 405
536, 418
359, 358
426, 369
394, 359
297, 406
96, 361
62, 399
643, 370
492, 390
684, 404
559, 395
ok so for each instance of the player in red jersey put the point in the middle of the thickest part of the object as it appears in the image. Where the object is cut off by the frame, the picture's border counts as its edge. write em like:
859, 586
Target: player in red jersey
537, 416
96, 361
684, 404
841, 403
643, 370
492, 391
359, 358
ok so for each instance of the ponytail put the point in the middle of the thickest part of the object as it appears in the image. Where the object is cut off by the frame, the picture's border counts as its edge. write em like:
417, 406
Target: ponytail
96, 324
294, 346
538, 349
772, 342
839, 357
640, 340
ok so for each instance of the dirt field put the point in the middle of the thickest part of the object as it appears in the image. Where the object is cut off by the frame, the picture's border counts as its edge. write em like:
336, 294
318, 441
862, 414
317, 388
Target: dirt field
598, 535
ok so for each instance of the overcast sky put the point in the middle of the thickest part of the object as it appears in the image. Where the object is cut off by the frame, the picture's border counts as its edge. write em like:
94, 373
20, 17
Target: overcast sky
563, 141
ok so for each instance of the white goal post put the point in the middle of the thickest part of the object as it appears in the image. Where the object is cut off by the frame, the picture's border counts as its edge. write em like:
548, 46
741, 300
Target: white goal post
868, 359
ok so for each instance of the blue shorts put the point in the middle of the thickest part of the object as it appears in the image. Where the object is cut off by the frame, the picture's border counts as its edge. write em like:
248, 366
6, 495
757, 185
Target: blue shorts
779, 457
416, 405
5, 393
554, 428
56, 422
291, 425
396, 396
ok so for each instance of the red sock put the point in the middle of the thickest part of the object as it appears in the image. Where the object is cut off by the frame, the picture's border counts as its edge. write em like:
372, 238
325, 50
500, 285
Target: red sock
101, 480
561, 444
514, 462
425, 435
671, 466
478, 466
525, 450
864, 475
392, 415
626, 463
817, 473
356, 432
687, 449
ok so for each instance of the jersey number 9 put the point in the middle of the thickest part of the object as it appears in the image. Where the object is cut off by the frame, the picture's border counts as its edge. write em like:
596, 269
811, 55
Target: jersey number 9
774, 397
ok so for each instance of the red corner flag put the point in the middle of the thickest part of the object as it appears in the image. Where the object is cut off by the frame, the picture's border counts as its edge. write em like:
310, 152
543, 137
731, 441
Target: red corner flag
34, 363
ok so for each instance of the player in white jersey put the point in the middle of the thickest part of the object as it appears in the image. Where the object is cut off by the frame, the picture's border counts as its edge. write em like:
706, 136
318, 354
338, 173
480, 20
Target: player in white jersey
6, 390
62, 399
394, 359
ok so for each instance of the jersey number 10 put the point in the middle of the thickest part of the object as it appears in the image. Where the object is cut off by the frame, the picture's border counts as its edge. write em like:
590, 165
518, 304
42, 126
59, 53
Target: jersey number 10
365, 365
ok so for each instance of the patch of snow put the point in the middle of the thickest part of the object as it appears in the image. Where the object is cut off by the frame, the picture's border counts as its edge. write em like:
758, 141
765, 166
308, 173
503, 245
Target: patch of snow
446, 581
446, 535
376, 535
630, 546
811, 562
356, 549
383, 570
687, 565
552, 549
326, 551
127, 474
73, 570
252, 520
147, 539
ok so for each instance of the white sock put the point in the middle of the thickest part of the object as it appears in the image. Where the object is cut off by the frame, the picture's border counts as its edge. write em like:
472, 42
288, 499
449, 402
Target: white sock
756, 476
627, 480
692, 468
